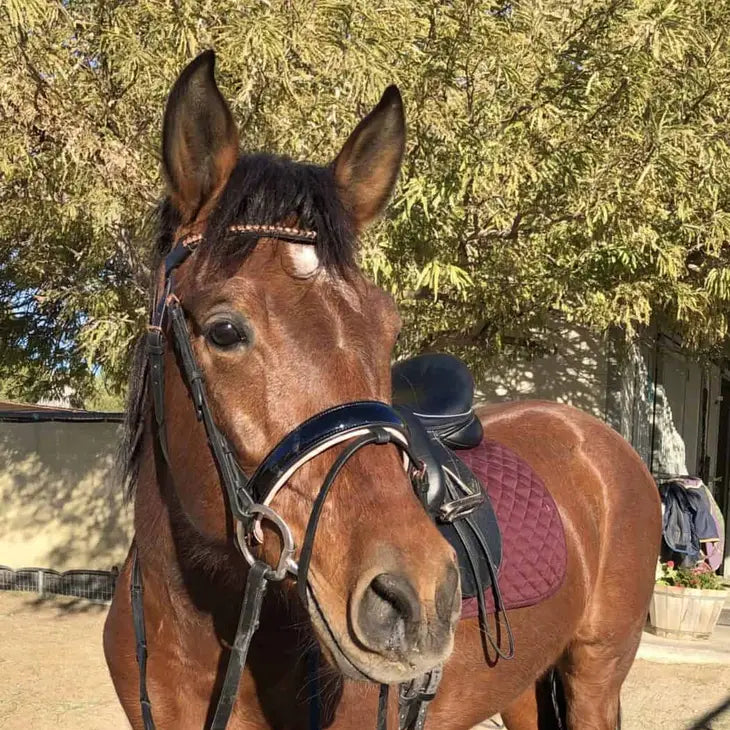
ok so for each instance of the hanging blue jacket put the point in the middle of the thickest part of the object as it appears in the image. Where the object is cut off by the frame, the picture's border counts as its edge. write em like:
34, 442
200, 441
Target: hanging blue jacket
687, 520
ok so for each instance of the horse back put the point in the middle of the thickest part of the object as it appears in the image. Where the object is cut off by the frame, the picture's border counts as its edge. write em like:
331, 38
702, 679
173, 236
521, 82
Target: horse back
605, 493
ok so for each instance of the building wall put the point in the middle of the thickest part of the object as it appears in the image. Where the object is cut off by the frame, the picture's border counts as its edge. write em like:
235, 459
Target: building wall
630, 392
688, 413
572, 368
60, 504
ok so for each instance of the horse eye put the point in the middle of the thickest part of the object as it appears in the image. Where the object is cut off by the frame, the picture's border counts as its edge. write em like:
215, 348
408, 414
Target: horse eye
225, 335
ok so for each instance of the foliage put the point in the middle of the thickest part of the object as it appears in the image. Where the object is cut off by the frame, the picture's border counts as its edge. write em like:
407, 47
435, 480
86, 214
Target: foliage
701, 576
565, 158
102, 398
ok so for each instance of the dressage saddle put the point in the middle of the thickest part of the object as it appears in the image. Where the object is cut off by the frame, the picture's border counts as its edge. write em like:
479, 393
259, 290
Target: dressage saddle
434, 395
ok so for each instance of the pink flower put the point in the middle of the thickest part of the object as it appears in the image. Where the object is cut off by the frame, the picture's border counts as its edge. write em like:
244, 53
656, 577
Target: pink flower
670, 564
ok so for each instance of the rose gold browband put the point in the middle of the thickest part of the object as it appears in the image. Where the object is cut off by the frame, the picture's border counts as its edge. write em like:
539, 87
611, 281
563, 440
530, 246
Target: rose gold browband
296, 235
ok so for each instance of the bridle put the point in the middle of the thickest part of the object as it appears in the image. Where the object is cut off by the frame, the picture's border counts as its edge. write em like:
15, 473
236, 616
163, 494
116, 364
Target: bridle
355, 425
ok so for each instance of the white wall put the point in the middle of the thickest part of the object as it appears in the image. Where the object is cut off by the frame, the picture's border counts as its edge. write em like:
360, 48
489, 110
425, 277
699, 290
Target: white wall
678, 446
675, 444
61, 505
571, 367
630, 391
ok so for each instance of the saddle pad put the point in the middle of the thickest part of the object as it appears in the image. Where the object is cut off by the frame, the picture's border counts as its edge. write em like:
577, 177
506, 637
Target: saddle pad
533, 541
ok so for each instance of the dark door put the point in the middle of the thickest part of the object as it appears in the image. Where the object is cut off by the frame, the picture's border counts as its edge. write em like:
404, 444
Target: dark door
722, 484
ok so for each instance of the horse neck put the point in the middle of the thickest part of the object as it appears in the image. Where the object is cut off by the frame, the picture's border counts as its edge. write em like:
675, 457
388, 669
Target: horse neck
198, 573
172, 550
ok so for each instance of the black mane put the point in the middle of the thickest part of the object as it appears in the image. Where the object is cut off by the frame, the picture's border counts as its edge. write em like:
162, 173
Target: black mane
263, 190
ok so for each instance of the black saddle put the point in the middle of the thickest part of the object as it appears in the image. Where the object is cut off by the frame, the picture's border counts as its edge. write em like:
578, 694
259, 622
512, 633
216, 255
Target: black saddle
434, 394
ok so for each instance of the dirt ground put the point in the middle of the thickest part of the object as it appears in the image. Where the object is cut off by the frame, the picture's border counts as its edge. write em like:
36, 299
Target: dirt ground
53, 676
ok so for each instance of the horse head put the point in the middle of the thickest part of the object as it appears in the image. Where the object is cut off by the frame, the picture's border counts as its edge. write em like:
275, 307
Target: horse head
283, 326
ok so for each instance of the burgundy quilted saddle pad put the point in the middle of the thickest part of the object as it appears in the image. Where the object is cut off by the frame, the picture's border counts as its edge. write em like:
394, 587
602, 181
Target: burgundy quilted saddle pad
533, 541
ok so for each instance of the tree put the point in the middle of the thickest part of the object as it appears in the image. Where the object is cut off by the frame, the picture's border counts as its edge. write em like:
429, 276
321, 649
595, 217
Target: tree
565, 158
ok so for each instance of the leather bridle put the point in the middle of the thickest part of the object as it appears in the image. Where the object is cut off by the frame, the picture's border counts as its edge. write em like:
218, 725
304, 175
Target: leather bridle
354, 425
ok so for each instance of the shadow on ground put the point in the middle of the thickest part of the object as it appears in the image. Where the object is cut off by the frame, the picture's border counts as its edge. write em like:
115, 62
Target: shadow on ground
62, 606
706, 722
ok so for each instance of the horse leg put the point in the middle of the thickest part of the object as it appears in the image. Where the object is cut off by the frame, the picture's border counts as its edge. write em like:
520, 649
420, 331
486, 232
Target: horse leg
522, 714
534, 709
592, 675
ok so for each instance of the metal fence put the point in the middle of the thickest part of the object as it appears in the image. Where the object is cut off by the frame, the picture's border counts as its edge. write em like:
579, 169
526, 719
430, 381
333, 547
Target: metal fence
93, 585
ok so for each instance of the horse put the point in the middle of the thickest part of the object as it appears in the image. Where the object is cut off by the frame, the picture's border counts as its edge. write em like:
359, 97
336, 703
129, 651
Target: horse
281, 328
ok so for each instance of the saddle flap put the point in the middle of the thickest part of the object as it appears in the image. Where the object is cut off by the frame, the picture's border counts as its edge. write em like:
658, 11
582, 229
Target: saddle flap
473, 533
460, 506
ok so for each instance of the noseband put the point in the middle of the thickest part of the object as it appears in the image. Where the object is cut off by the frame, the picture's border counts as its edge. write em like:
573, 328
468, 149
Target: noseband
355, 425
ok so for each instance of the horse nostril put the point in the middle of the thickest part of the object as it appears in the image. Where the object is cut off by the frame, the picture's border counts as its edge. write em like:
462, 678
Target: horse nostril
389, 613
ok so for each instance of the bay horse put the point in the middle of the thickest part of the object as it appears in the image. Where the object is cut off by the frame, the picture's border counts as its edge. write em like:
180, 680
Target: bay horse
281, 329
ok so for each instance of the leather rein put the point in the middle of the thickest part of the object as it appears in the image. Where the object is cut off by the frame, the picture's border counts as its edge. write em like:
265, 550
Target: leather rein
355, 425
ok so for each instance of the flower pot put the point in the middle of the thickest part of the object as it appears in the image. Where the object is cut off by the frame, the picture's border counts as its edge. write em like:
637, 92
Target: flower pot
685, 613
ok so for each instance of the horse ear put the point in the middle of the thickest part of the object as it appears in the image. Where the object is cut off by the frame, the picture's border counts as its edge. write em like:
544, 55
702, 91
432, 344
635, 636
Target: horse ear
367, 167
199, 138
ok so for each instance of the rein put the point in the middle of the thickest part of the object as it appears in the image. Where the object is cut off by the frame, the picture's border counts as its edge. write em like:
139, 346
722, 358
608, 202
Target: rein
360, 423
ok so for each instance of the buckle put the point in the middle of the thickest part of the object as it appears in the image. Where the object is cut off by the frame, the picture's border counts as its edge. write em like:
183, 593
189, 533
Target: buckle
155, 340
286, 562
424, 688
461, 507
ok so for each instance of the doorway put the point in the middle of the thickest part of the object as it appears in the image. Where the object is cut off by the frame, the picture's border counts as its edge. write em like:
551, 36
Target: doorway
722, 469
